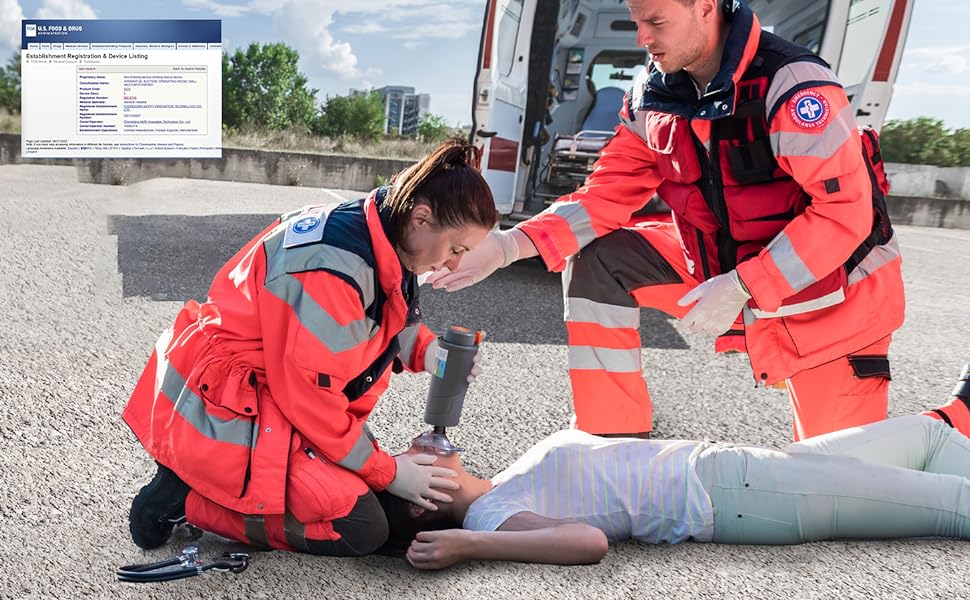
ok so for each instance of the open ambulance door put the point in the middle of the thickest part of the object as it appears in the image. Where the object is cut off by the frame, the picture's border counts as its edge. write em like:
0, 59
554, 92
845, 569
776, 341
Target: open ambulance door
871, 51
501, 93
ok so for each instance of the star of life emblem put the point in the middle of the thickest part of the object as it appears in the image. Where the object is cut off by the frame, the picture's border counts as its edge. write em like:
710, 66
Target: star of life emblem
809, 109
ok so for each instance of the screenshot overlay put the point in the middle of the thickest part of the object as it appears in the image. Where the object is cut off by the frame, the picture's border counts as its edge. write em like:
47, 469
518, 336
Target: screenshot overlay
121, 88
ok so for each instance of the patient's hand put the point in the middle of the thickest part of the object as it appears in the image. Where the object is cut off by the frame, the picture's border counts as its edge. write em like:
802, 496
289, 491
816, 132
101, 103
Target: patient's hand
439, 549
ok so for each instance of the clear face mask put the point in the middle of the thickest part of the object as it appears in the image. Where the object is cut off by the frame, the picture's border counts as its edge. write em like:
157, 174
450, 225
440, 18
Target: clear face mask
432, 442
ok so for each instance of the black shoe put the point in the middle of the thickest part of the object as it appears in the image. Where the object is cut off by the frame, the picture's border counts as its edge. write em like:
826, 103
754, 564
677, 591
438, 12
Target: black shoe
962, 390
157, 508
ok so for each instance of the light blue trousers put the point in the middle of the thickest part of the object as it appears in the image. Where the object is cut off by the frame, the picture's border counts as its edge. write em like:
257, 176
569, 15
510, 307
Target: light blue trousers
904, 477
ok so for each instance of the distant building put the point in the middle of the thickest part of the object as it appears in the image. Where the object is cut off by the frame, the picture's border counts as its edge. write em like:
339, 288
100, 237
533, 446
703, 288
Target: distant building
403, 109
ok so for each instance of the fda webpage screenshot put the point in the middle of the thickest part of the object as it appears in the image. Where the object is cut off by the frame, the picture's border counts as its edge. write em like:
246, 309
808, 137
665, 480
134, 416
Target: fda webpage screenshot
121, 89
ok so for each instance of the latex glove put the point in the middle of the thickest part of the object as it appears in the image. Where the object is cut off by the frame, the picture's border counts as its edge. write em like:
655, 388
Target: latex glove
498, 249
719, 300
439, 549
431, 361
416, 479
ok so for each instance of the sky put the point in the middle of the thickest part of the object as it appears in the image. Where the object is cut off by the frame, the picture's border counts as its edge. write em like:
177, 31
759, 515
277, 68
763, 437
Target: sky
432, 45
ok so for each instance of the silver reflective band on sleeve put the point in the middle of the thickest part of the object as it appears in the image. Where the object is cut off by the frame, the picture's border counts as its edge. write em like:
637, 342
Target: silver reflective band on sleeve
255, 530
407, 338
358, 455
877, 257
606, 359
792, 268
817, 145
791, 75
582, 310
578, 220
334, 336
239, 431
830, 299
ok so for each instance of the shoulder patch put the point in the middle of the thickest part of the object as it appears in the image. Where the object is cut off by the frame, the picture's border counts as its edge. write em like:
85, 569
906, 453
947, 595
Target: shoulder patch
809, 109
304, 228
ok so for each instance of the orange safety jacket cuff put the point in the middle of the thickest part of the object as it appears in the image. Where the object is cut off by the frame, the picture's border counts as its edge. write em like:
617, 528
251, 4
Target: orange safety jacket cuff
553, 256
761, 284
425, 337
380, 470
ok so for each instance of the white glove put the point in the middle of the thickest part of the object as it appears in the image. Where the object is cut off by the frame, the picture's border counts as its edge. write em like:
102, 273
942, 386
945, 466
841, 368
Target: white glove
498, 249
719, 300
431, 361
415, 479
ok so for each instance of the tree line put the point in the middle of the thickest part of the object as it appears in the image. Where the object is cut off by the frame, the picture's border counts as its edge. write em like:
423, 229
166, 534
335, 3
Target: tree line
264, 90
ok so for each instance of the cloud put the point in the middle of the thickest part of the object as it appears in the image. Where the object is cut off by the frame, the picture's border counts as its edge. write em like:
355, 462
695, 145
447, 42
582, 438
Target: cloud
933, 89
10, 16
219, 9
951, 61
65, 9
306, 24
365, 28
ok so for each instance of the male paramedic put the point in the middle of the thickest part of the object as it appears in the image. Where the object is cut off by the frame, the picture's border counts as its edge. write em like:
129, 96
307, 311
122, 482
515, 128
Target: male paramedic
780, 243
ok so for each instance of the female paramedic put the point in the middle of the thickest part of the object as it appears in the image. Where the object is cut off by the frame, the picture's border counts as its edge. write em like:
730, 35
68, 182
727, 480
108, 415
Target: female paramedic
254, 403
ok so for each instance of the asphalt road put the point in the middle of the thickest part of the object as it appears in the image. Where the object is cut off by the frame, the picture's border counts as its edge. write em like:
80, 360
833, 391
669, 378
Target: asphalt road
90, 275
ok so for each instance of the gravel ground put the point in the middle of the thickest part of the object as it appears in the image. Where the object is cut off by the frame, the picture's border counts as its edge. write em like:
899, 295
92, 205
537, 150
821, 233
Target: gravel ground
91, 274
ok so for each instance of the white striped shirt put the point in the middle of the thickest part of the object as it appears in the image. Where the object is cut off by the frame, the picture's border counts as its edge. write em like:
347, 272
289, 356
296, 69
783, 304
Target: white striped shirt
628, 488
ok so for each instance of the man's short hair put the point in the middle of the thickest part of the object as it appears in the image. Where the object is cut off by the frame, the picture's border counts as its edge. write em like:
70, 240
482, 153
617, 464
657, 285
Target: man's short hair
403, 528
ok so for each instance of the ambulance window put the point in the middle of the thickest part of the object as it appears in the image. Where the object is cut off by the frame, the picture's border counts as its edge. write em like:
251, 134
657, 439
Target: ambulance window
508, 33
616, 68
800, 22
863, 37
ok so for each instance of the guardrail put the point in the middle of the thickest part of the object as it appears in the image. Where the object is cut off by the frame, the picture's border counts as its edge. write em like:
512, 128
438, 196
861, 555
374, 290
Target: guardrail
922, 195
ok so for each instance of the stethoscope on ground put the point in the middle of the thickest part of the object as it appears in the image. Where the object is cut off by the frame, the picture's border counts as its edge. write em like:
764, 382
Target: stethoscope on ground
187, 564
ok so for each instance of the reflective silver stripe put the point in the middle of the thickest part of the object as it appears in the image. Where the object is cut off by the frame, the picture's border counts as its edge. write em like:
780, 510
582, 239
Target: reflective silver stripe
407, 339
606, 359
255, 530
317, 320
192, 408
583, 310
877, 257
638, 127
321, 256
295, 532
792, 267
578, 219
358, 455
368, 432
817, 145
830, 299
791, 75
747, 315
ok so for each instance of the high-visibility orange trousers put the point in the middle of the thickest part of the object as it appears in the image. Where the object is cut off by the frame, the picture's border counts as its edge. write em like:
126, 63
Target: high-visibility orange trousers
643, 266
329, 511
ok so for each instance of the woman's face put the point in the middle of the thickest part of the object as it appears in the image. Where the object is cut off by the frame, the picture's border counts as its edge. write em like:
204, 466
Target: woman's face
428, 247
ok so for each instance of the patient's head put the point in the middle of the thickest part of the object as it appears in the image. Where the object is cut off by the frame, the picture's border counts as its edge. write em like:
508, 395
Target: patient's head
406, 519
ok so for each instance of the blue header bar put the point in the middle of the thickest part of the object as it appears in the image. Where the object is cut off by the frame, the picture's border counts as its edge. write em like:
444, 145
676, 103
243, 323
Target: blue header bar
122, 31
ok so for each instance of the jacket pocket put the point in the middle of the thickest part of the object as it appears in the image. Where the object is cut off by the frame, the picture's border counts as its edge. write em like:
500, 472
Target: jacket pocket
760, 212
670, 139
220, 408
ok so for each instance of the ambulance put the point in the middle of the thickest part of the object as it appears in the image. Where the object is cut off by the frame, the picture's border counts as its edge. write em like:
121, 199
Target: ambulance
552, 75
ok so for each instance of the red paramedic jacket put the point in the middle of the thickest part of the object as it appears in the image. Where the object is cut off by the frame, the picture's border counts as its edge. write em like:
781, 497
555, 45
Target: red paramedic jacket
298, 333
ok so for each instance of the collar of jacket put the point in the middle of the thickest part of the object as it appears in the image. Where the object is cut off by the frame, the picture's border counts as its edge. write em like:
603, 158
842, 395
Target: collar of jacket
390, 272
675, 92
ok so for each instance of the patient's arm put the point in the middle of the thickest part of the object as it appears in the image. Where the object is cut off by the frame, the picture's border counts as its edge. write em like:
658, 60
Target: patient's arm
524, 537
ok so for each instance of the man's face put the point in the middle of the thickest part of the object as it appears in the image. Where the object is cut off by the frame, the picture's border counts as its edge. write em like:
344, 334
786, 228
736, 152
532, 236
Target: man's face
670, 31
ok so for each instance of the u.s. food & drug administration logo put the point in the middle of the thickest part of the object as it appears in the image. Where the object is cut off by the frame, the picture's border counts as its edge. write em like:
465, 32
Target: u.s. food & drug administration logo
809, 109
